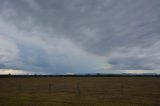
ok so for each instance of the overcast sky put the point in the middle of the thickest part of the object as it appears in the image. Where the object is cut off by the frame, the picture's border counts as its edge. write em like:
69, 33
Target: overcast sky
79, 36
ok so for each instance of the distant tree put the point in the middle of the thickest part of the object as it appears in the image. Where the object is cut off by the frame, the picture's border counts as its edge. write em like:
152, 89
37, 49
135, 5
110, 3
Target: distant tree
35, 75
9, 74
98, 74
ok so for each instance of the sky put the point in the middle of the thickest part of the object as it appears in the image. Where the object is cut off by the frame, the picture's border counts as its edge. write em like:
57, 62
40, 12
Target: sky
79, 36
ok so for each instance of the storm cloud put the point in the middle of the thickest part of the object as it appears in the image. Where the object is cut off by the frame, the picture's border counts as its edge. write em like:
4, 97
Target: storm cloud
80, 36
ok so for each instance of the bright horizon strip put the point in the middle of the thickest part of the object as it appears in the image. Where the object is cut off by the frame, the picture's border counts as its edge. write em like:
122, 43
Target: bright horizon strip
14, 72
24, 72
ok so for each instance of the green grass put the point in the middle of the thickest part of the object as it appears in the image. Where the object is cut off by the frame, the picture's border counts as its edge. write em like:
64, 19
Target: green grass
67, 100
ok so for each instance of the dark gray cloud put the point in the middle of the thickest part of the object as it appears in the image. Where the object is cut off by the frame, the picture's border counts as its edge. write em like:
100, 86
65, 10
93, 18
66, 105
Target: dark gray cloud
131, 64
98, 26
122, 34
2, 66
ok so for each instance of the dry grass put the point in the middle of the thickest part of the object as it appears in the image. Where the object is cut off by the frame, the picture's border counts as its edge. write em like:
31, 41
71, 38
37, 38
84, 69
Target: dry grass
80, 91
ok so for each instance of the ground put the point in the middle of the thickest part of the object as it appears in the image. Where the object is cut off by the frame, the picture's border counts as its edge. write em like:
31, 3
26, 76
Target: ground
80, 91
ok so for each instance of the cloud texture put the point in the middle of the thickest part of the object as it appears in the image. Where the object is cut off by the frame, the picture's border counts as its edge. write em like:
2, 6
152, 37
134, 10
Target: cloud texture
80, 36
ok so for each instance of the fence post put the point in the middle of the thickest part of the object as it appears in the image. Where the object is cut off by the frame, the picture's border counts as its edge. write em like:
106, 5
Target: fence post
122, 89
19, 87
78, 89
50, 88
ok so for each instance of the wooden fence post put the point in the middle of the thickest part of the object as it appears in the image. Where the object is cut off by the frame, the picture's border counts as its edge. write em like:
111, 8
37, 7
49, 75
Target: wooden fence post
19, 87
122, 89
50, 88
78, 89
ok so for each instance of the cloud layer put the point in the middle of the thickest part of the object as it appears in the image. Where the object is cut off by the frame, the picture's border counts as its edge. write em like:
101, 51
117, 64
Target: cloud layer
80, 36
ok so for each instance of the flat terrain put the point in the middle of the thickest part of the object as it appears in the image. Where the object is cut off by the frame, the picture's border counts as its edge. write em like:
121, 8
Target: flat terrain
80, 91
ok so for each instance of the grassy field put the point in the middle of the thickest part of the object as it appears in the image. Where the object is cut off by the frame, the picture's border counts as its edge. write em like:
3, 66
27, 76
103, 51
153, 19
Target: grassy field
80, 91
